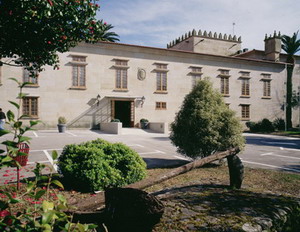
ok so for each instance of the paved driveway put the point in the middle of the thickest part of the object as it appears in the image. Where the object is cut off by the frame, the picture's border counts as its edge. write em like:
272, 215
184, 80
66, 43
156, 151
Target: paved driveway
262, 151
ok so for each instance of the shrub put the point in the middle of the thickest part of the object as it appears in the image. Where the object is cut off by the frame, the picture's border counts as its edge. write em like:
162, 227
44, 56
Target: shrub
98, 164
267, 126
262, 126
144, 120
115, 120
279, 124
62, 120
205, 124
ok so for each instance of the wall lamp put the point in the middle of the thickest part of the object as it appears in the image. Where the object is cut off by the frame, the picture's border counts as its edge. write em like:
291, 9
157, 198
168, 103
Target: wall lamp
98, 99
142, 100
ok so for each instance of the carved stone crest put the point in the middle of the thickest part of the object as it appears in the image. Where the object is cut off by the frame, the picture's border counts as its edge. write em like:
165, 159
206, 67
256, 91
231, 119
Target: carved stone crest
141, 74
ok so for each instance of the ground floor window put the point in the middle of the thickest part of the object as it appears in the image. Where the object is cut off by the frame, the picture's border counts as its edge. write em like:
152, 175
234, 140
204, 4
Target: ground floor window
245, 112
30, 107
161, 106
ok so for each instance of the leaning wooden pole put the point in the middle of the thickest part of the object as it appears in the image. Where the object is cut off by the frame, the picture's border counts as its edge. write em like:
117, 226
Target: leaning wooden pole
95, 202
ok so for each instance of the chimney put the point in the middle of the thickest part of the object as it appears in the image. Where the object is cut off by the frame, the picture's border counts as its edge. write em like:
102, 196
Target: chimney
273, 47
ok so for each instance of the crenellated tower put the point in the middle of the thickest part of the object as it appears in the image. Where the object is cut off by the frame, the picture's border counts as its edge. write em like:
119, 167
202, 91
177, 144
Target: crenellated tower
207, 42
273, 46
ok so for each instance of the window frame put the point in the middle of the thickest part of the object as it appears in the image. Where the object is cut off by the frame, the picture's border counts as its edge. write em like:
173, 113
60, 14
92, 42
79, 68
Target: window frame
224, 86
267, 89
78, 67
160, 105
161, 77
28, 78
30, 105
245, 87
121, 74
245, 112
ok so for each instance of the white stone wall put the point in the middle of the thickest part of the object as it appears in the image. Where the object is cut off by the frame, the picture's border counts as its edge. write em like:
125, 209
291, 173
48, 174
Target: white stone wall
82, 110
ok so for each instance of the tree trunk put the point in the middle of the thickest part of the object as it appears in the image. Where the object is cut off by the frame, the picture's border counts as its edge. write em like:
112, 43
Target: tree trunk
236, 171
96, 202
289, 91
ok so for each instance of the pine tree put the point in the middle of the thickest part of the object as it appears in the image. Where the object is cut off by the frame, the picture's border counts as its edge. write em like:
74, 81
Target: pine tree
205, 124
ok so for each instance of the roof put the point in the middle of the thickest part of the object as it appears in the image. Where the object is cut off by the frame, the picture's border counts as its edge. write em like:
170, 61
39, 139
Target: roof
189, 52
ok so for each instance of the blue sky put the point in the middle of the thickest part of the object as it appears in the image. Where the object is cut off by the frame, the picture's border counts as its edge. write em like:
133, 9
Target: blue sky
157, 22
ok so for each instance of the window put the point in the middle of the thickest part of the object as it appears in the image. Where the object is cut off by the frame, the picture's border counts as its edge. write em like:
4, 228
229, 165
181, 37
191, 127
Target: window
29, 78
224, 85
30, 107
245, 87
245, 112
266, 79
196, 74
121, 78
161, 81
121, 67
224, 77
161, 77
78, 72
161, 106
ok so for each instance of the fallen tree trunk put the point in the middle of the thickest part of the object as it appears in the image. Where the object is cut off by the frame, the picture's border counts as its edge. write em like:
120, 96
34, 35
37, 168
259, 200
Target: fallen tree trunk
96, 202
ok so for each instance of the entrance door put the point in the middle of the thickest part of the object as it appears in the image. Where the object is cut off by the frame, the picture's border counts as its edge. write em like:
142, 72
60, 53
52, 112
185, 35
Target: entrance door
123, 111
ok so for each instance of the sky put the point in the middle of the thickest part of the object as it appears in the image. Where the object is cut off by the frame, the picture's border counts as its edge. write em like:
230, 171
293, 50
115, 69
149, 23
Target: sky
155, 23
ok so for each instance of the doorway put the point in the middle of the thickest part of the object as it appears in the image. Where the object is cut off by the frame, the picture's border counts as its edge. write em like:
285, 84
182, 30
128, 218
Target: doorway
123, 110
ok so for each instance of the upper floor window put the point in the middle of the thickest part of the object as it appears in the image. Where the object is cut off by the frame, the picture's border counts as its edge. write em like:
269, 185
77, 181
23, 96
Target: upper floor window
224, 85
266, 79
30, 107
245, 87
79, 72
161, 77
224, 79
196, 73
121, 67
32, 78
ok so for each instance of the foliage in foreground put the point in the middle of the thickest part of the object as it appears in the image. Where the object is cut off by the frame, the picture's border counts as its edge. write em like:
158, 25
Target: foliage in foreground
40, 209
205, 124
98, 164
33, 32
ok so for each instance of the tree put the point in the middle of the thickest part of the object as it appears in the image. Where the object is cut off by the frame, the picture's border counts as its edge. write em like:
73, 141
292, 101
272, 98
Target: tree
291, 45
33, 32
205, 124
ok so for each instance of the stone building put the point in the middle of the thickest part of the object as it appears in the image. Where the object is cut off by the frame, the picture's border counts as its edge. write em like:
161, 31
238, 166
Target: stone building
102, 81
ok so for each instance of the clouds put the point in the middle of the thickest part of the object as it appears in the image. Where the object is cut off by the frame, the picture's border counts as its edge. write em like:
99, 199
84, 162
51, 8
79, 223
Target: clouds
157, 22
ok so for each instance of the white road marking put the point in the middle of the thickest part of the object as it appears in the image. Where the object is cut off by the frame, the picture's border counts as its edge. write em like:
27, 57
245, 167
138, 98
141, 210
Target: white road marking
269, 153
152, 152
289, 149
135, 145
50, 159
71, 133
283, 156
54, 149
35, 134
280, 143
45, 161
271, 166
182, 158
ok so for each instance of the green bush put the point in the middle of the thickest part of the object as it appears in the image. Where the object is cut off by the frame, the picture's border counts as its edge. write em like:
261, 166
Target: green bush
98, 164
205, 124
264, 125
279, 124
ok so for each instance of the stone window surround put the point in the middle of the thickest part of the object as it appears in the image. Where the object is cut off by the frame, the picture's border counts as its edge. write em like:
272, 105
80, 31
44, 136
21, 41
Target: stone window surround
78, 61
30, 105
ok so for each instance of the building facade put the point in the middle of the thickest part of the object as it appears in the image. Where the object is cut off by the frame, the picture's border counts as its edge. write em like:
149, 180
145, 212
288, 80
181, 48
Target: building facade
104, 81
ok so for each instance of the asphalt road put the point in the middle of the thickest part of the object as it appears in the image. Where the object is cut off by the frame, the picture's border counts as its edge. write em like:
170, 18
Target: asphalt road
261, 151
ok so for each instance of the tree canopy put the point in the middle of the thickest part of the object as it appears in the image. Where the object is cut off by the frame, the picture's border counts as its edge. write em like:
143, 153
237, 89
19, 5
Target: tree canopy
291, 45
204, 124
34, 31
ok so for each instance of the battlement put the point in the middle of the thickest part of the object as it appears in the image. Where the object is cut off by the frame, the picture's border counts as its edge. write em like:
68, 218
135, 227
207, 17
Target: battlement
205, 34
274, 36
207, 42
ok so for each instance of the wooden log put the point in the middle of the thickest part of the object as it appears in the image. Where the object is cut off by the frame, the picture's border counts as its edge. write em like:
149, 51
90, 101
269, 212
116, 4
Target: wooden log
96, 202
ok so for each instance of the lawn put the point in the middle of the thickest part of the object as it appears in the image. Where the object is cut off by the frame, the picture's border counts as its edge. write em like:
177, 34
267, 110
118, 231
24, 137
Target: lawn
200, 200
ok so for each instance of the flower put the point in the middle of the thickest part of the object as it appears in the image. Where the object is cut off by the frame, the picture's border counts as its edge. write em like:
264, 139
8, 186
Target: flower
4, 213
50, 2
